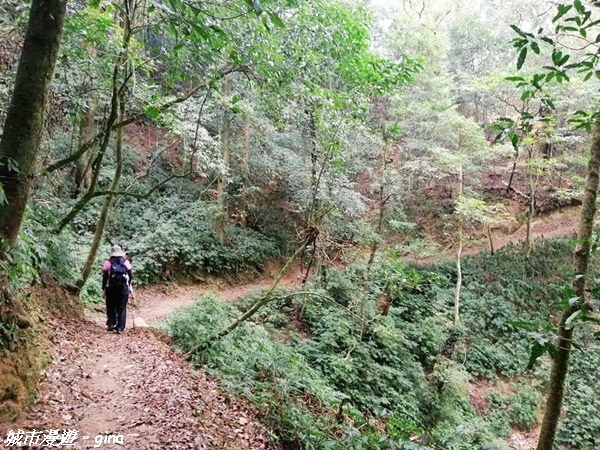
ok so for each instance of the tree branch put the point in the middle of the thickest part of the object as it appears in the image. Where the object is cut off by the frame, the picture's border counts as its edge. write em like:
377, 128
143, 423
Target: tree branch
134, 118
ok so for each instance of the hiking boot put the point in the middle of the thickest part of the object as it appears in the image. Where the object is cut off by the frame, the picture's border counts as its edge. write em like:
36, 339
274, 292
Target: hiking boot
118, 331
110, 328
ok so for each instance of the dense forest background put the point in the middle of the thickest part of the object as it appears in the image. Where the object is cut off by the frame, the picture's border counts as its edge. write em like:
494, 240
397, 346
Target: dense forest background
382, 150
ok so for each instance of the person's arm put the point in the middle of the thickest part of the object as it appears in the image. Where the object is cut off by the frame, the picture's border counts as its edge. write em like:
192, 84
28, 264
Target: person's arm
104, 280
130, 277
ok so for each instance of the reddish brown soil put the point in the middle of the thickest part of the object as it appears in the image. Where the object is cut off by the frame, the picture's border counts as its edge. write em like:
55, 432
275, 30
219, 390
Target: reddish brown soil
156, 303
136, 386
560, 223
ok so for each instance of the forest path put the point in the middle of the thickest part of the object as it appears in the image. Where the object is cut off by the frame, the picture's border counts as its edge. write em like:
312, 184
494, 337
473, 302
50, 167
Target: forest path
134, 385
155, 303
132, 391
559, 223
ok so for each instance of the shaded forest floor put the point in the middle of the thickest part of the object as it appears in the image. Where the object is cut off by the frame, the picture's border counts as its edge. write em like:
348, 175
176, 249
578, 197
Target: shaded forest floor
135, 385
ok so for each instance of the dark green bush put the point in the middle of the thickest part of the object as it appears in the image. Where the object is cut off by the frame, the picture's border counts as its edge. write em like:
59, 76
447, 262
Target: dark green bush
581, 426
180, 236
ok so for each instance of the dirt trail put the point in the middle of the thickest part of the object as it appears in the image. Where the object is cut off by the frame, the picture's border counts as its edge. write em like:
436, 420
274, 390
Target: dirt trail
134, 388
156, 303
556, 224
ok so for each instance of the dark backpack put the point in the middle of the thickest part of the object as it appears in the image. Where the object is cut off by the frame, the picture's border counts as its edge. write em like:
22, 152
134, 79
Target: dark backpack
118, 273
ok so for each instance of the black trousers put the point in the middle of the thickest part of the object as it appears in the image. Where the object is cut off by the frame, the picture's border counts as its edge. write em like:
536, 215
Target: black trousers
116, 307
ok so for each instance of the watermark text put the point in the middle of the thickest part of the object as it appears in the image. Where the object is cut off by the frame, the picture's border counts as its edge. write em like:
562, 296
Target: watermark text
56, 438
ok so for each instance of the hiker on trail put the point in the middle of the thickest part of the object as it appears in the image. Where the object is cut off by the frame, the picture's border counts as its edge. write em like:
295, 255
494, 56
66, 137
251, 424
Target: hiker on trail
116, 289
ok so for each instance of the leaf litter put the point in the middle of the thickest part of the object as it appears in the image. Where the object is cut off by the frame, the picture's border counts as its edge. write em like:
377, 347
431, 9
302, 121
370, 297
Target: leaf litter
135, 385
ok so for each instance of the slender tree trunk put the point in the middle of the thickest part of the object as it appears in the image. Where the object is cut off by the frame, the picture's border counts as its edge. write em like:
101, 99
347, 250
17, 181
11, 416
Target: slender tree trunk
83, 173
245, 169
382, 201
458, 274
314, 159
95, 165
104, 213
531, 204
23, 128
226, 154
269, 294
512, 173
490, 238
459, 251
560, 363
313, 208
118, 105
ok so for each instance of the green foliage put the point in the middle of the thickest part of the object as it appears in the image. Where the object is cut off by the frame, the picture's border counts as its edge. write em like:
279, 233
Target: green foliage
38, 251
520, 410
500, 288
376, 370
273, 375
581, 425
308, 358
180, 236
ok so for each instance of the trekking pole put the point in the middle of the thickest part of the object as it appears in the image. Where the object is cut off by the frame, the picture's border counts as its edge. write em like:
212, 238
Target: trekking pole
132, 297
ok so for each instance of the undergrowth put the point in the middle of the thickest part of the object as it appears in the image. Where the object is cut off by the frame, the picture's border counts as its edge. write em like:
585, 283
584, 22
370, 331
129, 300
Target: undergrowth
328, 369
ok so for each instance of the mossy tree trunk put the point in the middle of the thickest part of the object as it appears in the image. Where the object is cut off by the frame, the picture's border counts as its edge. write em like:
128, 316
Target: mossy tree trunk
560, 363
25, 118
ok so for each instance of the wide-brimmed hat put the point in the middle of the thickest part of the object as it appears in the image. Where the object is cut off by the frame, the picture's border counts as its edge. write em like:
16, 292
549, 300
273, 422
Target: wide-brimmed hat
116, 250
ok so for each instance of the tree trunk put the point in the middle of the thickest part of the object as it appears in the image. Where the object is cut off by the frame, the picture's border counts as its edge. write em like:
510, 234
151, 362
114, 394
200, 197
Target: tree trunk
226, 155
267, 297
311, 217
458, 274
458, 287
117, 111
103, 219
83, 173
314, 159
491, 239
563, 343
243, 213
531, 204
382, 201
512, 173
22, 133
459, 251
